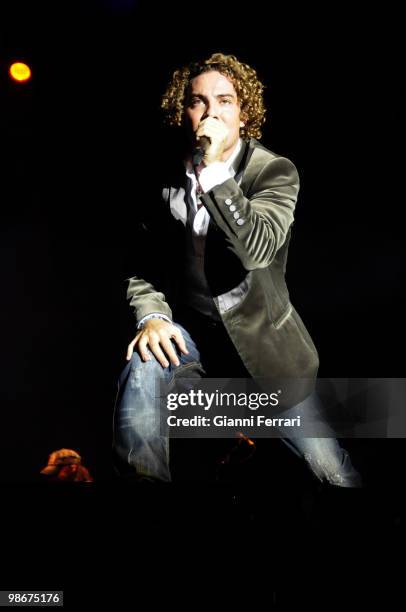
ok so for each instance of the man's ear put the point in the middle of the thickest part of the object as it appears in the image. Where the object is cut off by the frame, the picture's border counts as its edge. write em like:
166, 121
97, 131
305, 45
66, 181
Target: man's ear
243, 119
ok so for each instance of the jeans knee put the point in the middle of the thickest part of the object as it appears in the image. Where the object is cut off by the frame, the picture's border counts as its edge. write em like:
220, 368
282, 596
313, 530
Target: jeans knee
137, 362
140, 371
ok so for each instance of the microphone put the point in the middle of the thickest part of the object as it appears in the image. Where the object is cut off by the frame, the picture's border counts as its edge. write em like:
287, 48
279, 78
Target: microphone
200, 150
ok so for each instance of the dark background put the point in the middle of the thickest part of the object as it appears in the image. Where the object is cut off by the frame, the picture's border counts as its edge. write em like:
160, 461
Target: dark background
81, 142
85, 132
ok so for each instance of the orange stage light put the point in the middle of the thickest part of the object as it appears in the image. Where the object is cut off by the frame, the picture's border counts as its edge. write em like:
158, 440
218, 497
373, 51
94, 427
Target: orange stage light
20, 72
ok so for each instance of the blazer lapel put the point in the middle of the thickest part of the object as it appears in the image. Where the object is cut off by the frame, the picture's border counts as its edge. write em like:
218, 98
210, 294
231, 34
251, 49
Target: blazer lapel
240, 162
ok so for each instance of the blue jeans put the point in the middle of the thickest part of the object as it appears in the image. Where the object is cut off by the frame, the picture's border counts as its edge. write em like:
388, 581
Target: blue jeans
139, 443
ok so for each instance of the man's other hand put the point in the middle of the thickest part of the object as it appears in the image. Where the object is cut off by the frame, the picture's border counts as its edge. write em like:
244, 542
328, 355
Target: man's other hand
156, 336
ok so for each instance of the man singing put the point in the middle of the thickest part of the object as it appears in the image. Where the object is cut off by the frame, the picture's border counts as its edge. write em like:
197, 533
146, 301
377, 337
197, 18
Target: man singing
215, 300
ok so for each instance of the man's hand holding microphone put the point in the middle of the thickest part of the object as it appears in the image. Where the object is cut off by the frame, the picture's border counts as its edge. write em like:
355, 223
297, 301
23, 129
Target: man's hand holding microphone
211, 138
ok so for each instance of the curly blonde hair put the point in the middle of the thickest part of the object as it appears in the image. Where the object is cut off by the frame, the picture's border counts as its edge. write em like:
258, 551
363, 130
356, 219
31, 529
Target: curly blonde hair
246, 84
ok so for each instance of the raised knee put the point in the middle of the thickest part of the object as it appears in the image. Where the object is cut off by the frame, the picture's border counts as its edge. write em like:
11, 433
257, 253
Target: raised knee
137, 372
138, 363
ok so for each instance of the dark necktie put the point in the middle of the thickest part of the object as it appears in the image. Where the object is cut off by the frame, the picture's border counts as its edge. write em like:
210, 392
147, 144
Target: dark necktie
199, 190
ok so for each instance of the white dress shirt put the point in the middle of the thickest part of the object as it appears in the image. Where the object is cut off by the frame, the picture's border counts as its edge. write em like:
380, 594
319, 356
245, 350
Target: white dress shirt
209, 177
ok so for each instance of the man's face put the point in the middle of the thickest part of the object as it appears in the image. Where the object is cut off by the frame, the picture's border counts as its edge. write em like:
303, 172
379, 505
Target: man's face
212, 94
